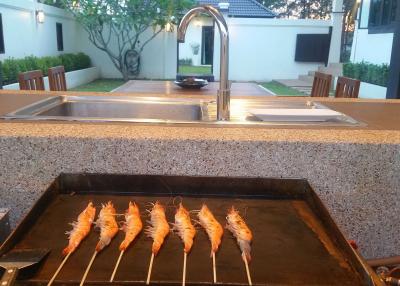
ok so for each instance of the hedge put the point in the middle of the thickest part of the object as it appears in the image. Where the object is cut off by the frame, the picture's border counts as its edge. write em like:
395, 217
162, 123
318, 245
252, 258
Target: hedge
367, 72
10, 68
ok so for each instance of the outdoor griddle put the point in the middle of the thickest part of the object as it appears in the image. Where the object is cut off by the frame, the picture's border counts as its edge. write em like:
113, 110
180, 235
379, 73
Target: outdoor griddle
295, 242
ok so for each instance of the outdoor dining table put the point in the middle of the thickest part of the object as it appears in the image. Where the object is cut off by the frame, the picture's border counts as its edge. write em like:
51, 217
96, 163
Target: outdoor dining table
169, 88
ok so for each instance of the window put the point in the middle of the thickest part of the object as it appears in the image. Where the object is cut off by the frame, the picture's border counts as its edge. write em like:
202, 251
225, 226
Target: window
60, 42
383, 15
2, 50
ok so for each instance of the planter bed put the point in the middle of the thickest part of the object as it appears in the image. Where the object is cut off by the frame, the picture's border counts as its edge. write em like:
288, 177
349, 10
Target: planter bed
73, 78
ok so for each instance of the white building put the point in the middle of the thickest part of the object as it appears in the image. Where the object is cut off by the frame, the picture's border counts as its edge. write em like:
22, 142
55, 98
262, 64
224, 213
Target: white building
199, 47
373, 38
261, 48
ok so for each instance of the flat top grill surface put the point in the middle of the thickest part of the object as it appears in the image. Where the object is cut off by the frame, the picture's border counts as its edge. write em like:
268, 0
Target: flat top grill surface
285, 249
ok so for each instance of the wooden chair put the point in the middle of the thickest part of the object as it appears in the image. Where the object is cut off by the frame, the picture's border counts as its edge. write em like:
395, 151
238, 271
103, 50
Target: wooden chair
57, 79
31, 80
347, 87
321, 85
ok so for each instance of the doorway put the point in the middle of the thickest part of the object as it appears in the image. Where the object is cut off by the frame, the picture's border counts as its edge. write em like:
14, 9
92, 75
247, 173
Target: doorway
207, 45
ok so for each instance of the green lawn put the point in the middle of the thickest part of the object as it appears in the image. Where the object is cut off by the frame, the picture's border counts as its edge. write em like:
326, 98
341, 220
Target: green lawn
194, 69
100, 85
281, 89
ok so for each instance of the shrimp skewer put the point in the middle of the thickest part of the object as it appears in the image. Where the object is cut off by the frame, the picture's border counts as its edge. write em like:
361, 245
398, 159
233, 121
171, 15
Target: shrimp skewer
132, 227
107, 224
214, 231
80, 229
158, 230
243, 235
108, 229
186, 231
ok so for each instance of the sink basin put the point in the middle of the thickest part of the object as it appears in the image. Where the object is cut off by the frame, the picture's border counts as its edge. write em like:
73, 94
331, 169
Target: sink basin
175, 110
121, 108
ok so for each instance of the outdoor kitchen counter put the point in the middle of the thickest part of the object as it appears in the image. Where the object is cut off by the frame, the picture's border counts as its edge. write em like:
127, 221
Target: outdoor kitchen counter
354, 170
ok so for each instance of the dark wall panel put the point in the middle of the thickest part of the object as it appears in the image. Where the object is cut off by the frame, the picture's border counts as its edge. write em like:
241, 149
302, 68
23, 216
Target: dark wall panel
312, 48
60, 40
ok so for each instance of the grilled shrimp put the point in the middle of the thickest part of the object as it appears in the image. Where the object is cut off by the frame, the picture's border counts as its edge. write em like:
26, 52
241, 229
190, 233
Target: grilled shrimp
107, 224
132, 225
212, 227
159, 228
80, 228
184, 227
240, 230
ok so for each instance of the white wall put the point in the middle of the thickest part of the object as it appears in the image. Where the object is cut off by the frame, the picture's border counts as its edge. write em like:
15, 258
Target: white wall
23, 36
264, 49
373, 48
368, 90
158, 59
260, 50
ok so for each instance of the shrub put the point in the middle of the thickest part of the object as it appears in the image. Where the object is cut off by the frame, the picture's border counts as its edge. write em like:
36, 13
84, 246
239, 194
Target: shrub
31, 63
185, 62
47, 62
11, 67
10, 71
367, 72
82, 61
67, 61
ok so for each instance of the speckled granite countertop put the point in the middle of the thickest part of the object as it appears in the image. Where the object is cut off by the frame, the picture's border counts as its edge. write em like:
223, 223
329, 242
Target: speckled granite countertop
354, 170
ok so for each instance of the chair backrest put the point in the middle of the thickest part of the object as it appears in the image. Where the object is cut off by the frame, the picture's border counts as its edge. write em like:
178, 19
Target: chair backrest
31, 80
347, 87
321, 85
57, 79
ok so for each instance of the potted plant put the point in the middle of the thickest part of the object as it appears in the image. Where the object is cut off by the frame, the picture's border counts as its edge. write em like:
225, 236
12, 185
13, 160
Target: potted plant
195, 48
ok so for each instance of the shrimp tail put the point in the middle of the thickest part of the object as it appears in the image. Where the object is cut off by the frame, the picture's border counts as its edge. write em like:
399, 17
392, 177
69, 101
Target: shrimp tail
70, 248
102, 243
245, 248
155, 248
124, 245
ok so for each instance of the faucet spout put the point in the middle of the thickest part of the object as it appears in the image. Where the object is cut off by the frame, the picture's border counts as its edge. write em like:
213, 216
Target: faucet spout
224, 93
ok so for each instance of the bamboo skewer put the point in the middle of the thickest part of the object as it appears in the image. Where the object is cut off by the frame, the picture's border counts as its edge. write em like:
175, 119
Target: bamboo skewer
150, 269
247, 268
59, 269
184, 269
214, 268
116, 266
88, 268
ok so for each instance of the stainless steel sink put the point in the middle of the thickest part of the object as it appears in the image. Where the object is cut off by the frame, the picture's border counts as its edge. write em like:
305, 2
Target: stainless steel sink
121, 108
164, 110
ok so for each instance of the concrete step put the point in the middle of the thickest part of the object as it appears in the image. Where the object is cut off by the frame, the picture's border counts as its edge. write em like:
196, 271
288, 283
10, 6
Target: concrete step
306, 78
311, 73
334, 70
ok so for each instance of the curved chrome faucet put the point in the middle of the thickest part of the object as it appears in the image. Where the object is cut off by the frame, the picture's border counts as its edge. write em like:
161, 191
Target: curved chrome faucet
224, 93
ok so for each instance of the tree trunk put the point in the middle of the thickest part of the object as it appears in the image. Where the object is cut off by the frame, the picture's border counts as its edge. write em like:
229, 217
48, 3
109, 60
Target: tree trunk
123, 70
125, 75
